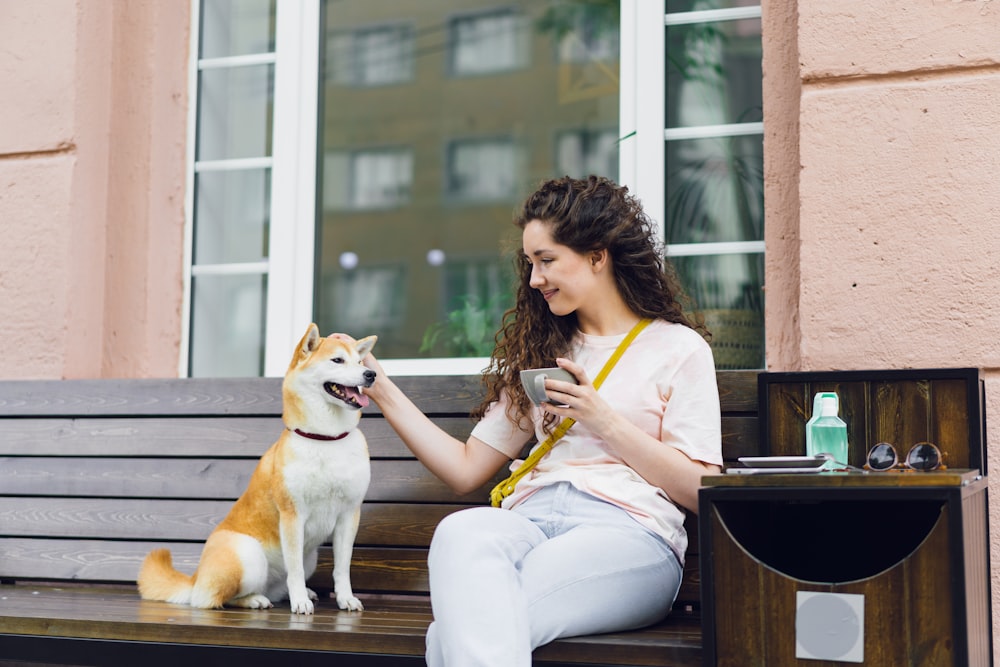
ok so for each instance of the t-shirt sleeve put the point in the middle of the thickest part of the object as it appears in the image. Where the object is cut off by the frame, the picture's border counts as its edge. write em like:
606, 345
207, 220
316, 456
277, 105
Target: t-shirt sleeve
692, 417
497, 431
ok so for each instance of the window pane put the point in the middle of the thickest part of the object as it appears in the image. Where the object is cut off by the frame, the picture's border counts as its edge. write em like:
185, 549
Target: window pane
232, 215
728, 291
438, 119
234, 112
714, 73
236, 27
715, 190
227, 326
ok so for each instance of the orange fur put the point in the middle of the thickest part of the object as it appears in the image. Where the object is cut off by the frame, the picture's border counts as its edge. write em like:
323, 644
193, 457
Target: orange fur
158, 580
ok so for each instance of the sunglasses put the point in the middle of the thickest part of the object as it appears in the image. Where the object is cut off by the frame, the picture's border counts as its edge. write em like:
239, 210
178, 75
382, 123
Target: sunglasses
922, 457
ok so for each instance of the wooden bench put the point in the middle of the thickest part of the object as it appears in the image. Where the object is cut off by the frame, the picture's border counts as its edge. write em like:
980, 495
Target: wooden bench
96, 473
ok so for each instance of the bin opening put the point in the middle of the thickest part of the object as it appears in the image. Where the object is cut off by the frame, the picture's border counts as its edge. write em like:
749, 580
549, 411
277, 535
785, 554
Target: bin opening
830, 541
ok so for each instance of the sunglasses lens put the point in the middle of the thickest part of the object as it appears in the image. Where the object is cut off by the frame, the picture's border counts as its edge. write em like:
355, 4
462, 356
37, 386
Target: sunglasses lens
923, 456
882, 456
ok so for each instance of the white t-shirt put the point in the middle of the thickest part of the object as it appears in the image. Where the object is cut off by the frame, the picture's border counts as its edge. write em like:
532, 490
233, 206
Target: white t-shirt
664, 384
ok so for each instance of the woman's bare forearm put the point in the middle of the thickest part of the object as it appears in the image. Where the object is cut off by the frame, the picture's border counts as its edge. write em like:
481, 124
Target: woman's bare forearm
463, 466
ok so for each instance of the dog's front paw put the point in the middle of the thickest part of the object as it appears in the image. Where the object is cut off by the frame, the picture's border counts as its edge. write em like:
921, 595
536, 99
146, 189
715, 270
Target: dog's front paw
350, 603
255, 601
301, 605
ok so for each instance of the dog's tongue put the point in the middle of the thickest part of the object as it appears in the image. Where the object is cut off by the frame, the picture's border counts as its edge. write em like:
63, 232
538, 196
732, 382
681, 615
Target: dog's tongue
355, 393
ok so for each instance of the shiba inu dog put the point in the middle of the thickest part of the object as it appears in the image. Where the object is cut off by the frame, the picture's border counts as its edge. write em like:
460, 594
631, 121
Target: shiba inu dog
308, 486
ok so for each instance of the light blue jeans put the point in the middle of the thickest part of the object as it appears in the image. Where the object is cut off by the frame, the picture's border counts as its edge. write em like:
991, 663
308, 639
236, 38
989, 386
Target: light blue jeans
561, 564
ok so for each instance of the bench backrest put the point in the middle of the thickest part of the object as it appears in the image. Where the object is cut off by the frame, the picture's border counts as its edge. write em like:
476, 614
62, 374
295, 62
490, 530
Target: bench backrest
96, 473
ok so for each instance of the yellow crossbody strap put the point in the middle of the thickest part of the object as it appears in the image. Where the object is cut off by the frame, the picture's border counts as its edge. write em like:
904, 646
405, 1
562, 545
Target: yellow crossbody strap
506, 487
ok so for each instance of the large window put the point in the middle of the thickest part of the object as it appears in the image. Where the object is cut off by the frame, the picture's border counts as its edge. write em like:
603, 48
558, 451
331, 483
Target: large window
357, 163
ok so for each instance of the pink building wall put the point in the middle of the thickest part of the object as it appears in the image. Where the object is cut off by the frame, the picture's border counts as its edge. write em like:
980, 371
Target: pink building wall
882, 204
881, 159
92, 149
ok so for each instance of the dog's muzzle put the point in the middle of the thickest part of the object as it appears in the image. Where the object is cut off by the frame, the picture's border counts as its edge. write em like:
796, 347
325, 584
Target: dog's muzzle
351, 396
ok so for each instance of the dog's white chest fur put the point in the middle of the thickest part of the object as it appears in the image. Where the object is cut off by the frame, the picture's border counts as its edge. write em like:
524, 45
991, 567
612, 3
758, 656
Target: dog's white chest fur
325, 479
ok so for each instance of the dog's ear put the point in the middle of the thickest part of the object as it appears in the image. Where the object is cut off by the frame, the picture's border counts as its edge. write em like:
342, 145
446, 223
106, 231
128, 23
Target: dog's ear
365, 345
308, 343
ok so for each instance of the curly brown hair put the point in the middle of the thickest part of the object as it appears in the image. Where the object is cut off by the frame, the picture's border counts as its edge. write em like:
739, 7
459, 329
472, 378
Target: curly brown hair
584, 215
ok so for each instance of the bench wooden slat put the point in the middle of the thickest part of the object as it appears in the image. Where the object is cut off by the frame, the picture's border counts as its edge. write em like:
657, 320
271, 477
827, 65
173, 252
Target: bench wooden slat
257, 396
216, 437
739, 437
222, 479
103, 518
375, 569
227, 437
203, 396
138, 397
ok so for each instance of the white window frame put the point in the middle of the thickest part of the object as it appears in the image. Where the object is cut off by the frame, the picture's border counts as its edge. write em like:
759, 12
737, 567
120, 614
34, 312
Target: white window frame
709, 131
293, 175
293, 181
289, 267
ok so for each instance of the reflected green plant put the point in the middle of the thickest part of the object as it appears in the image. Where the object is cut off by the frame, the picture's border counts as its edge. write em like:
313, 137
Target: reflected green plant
468, 331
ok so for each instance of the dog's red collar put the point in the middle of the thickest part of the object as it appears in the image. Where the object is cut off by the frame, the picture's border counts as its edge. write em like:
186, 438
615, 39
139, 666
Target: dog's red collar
317, 436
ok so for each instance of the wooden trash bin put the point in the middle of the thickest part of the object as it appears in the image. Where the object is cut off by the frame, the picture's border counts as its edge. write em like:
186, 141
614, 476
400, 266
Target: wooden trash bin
900, 558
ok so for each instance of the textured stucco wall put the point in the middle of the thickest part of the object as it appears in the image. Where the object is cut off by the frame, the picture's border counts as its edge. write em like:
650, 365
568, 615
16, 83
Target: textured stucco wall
37, 165
92, 141
885, 255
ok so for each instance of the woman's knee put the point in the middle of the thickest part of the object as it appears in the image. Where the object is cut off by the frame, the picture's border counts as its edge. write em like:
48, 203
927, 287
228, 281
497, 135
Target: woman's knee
481, 531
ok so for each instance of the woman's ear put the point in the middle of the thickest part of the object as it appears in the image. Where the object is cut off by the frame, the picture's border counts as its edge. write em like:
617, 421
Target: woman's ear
598, 258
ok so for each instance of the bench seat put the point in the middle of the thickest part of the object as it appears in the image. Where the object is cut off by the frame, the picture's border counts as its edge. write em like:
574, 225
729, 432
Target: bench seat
391, 626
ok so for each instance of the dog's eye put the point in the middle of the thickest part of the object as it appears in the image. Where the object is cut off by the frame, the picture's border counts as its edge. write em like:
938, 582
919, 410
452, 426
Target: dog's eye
337, 360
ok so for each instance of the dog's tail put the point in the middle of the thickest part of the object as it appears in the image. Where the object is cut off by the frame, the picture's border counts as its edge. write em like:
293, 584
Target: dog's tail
158, 580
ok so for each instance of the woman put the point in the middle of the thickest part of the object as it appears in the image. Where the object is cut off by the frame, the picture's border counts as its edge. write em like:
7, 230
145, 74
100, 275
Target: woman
592, 539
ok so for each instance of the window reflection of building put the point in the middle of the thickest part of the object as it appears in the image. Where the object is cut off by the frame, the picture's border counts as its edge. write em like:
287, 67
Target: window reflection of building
583, 152
481, 169
493, 41
376, 303
370, 179
590, 40
372, 56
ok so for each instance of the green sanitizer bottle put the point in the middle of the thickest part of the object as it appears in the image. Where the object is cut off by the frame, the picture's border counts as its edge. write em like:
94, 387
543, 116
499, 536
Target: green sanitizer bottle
826, 432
